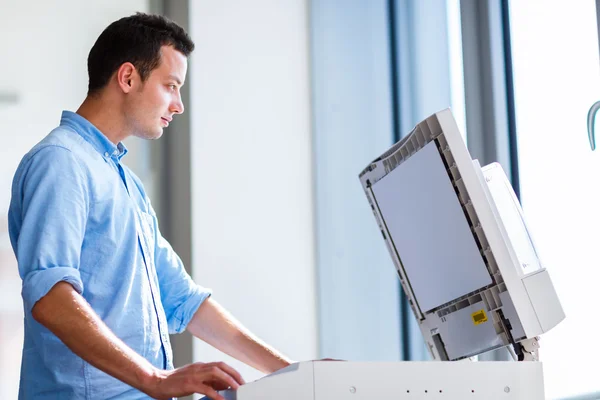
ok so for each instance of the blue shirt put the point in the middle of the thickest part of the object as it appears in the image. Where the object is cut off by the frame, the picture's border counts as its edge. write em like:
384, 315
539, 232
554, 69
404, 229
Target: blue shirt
78, 215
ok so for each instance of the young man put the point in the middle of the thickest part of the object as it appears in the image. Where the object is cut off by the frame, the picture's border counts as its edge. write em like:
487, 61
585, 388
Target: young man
101, 287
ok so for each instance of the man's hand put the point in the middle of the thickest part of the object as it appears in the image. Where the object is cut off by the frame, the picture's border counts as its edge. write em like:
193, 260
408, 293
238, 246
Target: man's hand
197, 378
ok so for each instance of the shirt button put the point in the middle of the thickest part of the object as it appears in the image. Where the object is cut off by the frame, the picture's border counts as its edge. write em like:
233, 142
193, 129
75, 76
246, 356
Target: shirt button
115, 152
106, 154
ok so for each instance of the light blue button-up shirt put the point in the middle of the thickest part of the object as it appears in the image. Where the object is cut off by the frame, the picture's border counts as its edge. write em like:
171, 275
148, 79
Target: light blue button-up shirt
78, 215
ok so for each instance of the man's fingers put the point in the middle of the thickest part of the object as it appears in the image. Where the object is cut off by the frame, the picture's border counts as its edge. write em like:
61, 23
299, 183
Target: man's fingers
220, 376
232, 372
210, 392
199, 378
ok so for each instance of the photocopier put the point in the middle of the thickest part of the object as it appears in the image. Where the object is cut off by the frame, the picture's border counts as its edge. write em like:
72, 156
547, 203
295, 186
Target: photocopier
469, 268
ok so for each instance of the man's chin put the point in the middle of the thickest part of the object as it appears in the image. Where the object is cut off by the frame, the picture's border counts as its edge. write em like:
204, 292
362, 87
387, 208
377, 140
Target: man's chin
151, 135
157, 135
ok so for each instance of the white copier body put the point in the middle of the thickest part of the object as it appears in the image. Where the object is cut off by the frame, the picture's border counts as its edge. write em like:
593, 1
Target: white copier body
469, 269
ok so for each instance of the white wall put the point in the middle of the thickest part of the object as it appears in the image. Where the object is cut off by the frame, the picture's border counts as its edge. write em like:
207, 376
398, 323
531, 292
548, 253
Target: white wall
253, 235
43, 60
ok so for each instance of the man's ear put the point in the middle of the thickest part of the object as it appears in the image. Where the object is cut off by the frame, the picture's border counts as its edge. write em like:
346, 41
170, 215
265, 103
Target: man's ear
127, 77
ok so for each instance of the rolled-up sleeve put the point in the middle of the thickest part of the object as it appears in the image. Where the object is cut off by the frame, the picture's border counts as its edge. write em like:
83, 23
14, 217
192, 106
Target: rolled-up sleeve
181, 296
47, 221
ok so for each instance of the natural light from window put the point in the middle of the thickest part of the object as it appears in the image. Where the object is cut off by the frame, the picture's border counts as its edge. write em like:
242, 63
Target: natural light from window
557, 79
457, 82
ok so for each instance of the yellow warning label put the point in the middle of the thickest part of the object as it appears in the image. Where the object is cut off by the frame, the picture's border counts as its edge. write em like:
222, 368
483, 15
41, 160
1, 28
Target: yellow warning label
479, 317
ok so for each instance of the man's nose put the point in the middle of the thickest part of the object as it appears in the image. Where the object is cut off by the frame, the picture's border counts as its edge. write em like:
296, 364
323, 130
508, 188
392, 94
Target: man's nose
177, 107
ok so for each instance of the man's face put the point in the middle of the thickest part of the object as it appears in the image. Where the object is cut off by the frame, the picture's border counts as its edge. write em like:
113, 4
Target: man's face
152, 107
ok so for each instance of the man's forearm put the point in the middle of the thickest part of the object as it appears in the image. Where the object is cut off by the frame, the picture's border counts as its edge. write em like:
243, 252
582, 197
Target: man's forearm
66, 314
217, 327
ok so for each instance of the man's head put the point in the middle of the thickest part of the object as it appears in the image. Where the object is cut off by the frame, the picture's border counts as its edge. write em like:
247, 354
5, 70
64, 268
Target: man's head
141, 61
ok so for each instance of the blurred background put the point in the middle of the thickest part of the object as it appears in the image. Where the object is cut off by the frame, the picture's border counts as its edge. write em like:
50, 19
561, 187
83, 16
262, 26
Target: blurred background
256, 185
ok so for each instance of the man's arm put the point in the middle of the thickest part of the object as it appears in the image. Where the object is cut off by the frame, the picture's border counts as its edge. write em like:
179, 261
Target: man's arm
67, 314
214, 325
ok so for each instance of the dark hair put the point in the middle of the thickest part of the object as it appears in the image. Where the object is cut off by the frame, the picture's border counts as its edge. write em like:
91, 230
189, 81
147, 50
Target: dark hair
136, 39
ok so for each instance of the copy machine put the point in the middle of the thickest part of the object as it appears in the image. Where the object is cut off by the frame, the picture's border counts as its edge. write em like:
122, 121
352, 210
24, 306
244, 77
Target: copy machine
467, 264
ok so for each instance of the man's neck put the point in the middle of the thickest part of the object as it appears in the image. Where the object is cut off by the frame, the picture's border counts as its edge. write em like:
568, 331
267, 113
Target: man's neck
104, 115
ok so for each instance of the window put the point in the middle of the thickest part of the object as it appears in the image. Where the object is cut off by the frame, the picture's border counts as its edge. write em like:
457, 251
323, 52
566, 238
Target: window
556, 80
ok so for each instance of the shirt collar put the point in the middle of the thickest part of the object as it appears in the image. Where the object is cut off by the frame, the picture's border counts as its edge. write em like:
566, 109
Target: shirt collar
93, 135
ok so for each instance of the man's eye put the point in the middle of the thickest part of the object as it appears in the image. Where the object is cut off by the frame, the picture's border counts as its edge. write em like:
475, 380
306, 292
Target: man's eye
172, 87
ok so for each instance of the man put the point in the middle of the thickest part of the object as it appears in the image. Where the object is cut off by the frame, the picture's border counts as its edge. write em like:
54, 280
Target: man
101, 287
